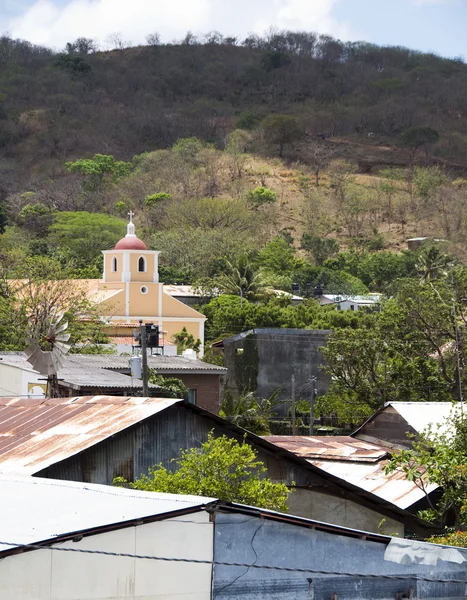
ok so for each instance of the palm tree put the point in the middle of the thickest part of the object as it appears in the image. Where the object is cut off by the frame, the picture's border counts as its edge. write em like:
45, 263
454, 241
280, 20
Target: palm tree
242, 279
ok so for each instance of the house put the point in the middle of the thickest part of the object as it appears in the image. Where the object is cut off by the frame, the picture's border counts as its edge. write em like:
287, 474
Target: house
95, 439
67, 540
108, 374
361, 463
397, 423
264, 360
190, 295
343, 302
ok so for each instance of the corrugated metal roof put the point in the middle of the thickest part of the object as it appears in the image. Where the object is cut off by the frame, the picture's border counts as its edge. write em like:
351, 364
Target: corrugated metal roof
394, 487
36, 433
343, 448
420, 415
357, 462
42, 509
99, 370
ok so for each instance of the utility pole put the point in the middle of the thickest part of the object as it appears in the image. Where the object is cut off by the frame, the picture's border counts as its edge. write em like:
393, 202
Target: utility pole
312, 402
144, 358
294, 426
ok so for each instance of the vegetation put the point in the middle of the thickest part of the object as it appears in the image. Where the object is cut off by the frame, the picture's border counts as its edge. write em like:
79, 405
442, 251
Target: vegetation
438, 458
221, 468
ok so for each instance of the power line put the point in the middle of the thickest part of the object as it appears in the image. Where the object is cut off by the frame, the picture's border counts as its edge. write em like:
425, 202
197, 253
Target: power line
235, 564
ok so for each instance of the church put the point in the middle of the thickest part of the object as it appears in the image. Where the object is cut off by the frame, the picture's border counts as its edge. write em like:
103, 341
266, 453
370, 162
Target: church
130, 290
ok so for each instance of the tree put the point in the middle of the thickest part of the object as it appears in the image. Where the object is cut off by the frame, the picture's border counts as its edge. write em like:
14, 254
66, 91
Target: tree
99, 170
438, 457
186, 341
320, 248
261, 195
221, 468
82, 45
416, 137
73, 64
281, 130
170, 387
250, 412
241, 279
83, 235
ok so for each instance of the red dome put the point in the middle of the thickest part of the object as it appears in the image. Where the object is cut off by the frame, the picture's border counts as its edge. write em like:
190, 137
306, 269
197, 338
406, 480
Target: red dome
130, 242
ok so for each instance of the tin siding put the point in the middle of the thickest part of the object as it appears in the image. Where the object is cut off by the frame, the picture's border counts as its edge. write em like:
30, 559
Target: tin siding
159, 440
264, 542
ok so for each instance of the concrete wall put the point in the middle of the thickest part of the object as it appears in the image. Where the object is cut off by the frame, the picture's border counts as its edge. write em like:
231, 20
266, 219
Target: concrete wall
269, 357
341, 511
51, 575
265, 542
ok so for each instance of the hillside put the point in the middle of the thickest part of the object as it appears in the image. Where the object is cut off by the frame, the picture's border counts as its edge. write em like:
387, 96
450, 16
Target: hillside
356, 147
123, 102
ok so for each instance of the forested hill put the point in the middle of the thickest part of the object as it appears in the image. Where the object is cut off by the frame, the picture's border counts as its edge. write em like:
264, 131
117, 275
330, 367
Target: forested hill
57, 107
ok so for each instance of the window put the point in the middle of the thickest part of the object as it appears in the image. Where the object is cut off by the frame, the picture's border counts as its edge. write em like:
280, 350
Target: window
192, 396
114, 264
142, 264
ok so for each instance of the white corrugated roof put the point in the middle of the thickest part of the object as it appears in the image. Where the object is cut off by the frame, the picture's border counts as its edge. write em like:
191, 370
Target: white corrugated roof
36, 509
420, 415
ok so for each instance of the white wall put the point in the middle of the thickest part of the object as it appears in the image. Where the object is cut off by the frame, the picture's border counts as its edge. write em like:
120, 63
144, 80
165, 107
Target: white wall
51, 575
17, 382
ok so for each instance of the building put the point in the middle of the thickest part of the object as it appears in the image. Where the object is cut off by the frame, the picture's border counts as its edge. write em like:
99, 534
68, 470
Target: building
361, 463
111, 375
130, 290
397, 423
264, 360
190, 295
70, 541
95, 439
343, 302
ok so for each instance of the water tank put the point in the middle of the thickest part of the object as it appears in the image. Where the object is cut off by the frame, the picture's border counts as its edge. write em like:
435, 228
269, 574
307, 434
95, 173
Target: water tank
135, 367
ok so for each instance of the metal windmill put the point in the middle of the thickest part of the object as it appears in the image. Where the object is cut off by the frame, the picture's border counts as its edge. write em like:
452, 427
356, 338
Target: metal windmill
47, 346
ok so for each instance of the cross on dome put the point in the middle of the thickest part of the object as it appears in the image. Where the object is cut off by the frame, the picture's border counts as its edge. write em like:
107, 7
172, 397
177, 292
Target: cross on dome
130, 228
130, 241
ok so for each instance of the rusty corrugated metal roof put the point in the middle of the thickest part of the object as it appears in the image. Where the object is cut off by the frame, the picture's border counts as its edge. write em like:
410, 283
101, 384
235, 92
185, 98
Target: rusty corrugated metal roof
343, 448
36, 433
357, 462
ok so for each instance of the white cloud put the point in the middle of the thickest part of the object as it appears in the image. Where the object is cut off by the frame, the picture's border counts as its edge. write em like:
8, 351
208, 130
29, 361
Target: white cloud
52, 23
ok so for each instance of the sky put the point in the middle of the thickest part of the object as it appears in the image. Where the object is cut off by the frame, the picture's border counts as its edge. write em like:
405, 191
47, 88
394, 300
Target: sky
428, 25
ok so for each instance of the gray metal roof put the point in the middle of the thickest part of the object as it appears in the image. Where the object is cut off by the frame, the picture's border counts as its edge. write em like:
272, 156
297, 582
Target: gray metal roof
42, 509
101, 370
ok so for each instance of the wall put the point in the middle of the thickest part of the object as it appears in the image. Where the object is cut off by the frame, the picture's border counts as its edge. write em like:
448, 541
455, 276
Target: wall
207, 389
388, 426
341, 511
20, 382
160, 439
269, 358
264, 542
52, 575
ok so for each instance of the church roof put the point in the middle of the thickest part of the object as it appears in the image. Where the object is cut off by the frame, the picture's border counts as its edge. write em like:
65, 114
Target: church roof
130, 241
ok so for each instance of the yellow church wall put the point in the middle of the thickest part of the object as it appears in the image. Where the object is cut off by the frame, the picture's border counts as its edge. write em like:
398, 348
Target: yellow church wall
112, 276
172, 327
144, 304
175, 308
146, 276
